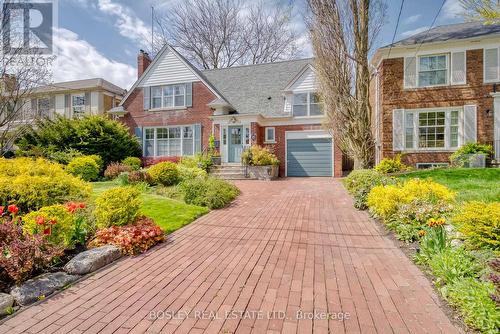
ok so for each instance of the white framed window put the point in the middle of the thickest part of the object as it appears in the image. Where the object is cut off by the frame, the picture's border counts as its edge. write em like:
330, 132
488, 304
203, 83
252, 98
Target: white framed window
306, 105
432, 129
173, 141
270, 135
170, 96
433, 70
427, 165
78, 103
491, 61
43, 107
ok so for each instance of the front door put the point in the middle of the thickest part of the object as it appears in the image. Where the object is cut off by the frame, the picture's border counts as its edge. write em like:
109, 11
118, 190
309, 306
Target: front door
235, 143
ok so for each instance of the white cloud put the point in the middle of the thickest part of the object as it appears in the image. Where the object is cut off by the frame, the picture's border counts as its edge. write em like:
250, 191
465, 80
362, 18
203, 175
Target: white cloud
77, 59
452, 9
127, 23
412, 19
409, 33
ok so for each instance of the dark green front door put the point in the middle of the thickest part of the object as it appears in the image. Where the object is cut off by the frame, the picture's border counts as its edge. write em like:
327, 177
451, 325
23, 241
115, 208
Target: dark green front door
235, 143
309, 157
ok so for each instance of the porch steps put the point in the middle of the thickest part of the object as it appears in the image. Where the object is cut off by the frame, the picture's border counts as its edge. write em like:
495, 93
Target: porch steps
230, 172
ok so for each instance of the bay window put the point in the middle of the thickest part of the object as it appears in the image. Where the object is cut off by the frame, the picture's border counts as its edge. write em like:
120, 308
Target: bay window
173, 141
306, 104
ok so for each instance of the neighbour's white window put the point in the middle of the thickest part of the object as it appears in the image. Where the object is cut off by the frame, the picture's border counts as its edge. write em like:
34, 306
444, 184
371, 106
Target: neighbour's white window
169, 96
270, 135
78, 103
43, 107
432, 70
431, 129
172, 141
306, 104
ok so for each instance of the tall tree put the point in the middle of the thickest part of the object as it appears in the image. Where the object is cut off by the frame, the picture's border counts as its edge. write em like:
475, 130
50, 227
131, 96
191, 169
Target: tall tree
482, 10
342, 33
223, 33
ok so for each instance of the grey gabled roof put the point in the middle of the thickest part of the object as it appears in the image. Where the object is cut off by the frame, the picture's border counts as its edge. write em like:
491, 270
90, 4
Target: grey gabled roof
256, 89
95, 83
450, 32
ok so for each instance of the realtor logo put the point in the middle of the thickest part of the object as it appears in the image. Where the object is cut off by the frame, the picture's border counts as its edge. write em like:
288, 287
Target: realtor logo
27, 27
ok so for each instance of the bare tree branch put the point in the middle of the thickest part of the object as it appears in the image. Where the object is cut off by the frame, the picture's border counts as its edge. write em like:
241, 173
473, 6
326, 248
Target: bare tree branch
481, 10
342, 33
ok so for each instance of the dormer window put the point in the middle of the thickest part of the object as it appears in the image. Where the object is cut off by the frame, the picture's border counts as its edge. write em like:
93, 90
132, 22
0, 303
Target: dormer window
306, 105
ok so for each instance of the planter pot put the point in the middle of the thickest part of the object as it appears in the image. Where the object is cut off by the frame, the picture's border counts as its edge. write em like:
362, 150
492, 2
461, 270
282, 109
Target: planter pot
217, 161
475, 161
266, 173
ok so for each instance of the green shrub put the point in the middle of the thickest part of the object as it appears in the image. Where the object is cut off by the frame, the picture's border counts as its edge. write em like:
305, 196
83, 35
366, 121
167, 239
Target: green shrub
164, 173
460, 157
472, 298
55, 222
139, 176
259, 156
188, 173
388, 165
89, 135
434, 242
114, 169
63, 157
133, 162
480, 224
359, 183
33, 183
453, 264
384, 201
117, 206
409, 219
85, 167
210, 192
203, 161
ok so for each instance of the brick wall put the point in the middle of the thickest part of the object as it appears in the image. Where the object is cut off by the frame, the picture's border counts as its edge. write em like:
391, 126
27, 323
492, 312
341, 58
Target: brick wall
198, 113
393, 96
279, 147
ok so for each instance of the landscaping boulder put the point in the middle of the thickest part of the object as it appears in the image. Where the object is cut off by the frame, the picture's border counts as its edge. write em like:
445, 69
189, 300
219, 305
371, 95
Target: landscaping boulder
91, 260
41, 287
6, 301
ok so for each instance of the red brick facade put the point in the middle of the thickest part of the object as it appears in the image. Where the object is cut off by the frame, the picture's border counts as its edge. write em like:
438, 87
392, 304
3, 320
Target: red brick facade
197, 114
394, 96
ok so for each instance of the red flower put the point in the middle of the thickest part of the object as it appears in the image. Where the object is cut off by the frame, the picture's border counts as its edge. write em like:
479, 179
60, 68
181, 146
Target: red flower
40, 220
1, 210
47, 231
82, 205
71, 207
13, 209
52, 222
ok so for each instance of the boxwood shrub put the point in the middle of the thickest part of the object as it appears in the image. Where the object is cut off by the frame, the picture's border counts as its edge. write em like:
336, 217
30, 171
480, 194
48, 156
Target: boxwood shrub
209, 192
165, 173
117, 206
359, 183
85, 167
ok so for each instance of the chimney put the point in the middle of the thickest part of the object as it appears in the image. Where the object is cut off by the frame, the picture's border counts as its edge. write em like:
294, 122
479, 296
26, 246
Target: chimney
143, 62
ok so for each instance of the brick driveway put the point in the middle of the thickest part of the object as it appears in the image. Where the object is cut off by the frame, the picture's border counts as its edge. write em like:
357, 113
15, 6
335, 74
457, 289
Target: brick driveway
283, 246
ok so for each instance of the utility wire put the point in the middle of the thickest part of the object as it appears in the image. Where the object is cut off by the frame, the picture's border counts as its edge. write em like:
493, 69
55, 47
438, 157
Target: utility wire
396, 29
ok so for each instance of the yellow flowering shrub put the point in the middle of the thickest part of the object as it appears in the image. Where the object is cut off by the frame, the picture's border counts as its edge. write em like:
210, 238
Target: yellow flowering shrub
384, 201
55, 222
33, 183
480, 224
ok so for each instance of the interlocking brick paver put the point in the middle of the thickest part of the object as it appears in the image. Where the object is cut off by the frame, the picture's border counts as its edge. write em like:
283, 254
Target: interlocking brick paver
291, 256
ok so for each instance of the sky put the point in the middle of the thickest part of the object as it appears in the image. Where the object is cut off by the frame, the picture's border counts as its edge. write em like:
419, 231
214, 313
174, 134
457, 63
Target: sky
101, 38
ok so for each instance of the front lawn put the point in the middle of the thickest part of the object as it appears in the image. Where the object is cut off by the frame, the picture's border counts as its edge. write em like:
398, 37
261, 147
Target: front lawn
470, 184
168, 213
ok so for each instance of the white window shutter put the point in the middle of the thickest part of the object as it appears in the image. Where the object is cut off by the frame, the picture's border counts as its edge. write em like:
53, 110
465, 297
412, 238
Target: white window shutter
491, 65
470, 124
410, 72
458, 68
398, 138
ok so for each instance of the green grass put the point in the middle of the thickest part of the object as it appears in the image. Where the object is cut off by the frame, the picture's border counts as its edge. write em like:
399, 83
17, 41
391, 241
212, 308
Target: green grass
470, 184
168, 213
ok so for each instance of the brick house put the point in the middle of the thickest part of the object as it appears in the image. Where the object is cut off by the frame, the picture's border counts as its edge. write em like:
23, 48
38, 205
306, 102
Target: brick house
435, 91
173, 108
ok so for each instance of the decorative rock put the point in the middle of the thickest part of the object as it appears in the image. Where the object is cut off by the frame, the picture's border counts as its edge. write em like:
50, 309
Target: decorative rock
6, 301
93, 259
41, 286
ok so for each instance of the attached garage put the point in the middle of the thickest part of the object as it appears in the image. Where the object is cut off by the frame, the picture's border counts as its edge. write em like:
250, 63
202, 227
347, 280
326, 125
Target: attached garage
309, 153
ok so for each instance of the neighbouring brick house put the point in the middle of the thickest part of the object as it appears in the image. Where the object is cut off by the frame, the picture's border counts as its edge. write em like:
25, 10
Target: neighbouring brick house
436, 91
173, 108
